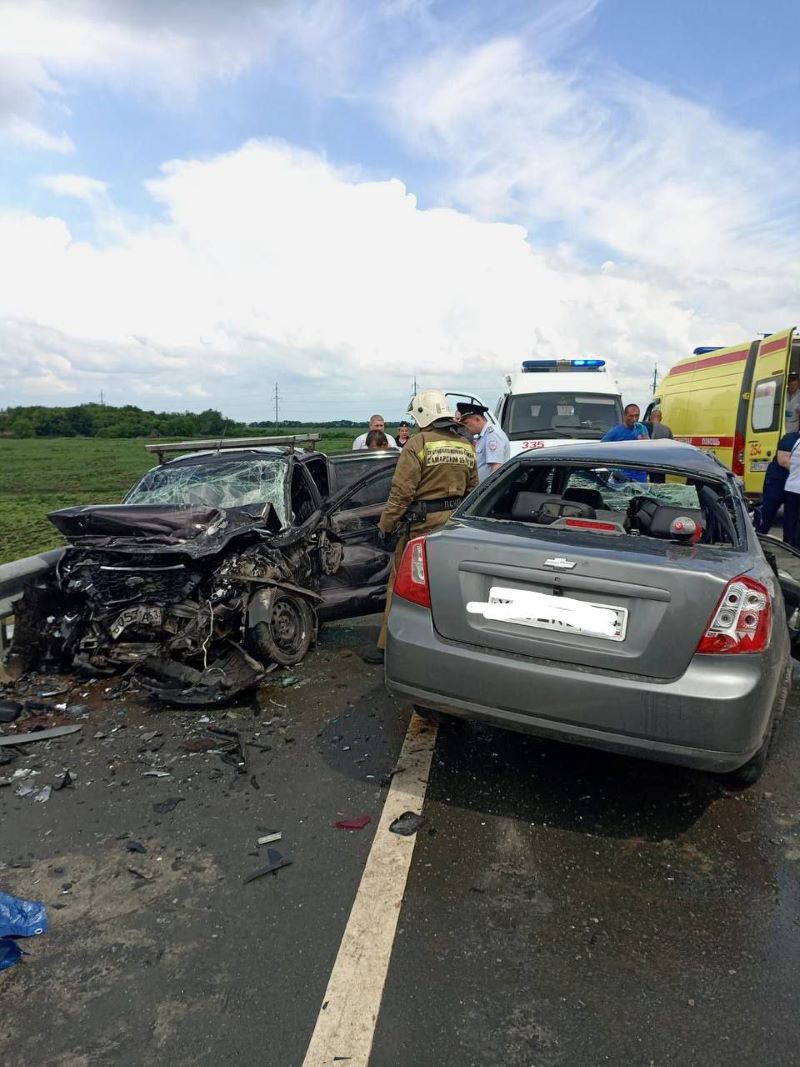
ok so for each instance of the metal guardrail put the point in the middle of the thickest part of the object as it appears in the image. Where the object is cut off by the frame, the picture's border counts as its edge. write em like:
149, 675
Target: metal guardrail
14, 578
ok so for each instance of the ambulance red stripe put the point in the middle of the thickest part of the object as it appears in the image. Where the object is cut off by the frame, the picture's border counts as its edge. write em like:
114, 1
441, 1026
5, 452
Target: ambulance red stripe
711, 361
771, 346
709, 441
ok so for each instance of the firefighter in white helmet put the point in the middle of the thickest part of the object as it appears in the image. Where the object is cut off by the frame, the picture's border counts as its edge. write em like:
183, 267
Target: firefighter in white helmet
435, 471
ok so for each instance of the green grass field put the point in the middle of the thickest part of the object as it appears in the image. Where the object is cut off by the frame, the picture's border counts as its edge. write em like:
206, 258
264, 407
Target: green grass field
43, 474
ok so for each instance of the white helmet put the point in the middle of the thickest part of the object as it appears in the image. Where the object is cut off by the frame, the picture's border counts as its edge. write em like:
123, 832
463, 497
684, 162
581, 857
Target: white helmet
428, 406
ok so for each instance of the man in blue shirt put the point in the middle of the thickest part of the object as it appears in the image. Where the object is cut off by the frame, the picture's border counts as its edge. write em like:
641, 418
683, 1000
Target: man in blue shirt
774, 482
492, 447
630, 429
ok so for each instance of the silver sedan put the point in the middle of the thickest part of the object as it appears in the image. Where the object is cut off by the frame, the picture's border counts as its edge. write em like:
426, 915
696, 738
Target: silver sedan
613, 595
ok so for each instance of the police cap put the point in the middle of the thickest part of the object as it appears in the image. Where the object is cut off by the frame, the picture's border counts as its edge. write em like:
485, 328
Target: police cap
471, 409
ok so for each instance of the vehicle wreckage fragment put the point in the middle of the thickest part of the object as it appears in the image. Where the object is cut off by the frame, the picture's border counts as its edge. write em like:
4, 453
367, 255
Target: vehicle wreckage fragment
194, 604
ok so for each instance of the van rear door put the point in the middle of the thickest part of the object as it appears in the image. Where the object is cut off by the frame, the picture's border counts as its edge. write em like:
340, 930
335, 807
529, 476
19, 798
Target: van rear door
766, 408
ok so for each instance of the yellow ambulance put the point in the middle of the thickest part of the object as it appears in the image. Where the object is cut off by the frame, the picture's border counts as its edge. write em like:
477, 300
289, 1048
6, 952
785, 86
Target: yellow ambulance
732, 402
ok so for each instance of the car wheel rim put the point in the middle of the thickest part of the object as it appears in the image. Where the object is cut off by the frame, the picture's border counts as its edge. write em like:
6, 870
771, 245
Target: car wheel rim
287, 626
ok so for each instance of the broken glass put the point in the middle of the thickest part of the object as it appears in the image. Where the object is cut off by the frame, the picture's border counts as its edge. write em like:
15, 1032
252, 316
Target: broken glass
222, 484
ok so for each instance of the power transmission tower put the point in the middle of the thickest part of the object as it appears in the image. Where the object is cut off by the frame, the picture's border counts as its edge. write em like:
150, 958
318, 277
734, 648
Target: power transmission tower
415, 385
655, 377
277, 399
102, 398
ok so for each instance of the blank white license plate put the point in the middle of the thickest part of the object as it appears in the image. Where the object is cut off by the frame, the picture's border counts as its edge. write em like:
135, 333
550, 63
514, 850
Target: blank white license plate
545, 612
759, 465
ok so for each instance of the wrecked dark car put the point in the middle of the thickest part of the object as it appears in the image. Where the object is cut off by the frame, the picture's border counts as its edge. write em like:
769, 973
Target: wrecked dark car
217, 567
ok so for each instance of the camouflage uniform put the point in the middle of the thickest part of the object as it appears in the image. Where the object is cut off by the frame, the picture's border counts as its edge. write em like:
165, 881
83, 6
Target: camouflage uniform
436, 464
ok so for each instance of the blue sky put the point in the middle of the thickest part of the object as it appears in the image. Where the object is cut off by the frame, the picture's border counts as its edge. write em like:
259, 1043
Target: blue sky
198, 200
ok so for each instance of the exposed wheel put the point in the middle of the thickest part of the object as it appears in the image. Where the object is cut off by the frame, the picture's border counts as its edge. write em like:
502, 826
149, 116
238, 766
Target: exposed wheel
749, 773
288, 635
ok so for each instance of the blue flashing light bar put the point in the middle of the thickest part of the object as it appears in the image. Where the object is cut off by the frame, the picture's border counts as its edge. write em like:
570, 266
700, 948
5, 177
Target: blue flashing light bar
532, 366
706, 348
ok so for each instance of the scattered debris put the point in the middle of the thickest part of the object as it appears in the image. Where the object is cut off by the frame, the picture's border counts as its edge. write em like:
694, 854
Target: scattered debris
10, 710
150, 734
44, 794
136, 846
267, 839
290, 679
156, 774
65, 780
276, 861
353, 824
40, 735
140, 874
199, 744
232, 747
164, 806
407, 824
254, 782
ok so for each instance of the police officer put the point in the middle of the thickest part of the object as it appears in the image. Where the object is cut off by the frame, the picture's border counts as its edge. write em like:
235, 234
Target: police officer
492, 447
436, 469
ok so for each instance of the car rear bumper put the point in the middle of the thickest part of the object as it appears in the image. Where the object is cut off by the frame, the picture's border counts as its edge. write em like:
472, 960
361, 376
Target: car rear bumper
714, 717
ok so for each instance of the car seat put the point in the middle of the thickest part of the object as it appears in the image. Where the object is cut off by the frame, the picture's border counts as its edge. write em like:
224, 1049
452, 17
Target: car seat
592, 497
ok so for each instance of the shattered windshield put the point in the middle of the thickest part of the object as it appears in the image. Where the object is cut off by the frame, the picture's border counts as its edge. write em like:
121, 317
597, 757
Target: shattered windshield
232, 483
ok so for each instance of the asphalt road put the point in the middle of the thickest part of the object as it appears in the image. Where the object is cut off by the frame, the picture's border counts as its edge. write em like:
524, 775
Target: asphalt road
564, 907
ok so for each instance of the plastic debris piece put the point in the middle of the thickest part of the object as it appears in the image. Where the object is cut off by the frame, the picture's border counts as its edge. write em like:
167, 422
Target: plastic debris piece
44, 794
136, 846
407, 824
276, 861
290, 679
10, 952
254, 782
150, 734
65, 780
353, 824
21, 918
156, 774
25, 790
165, 806
267, 839
10, 710
41, 735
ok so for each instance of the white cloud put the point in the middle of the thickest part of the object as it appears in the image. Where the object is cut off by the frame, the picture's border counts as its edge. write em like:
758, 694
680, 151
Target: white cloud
163, 50
615, 163
78, 186
272, 265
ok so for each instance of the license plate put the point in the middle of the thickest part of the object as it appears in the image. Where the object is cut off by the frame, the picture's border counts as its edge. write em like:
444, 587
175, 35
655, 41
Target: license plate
759, 465
141, 614
544, 612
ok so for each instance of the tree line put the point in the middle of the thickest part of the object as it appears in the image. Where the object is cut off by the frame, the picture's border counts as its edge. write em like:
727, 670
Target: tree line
103, 420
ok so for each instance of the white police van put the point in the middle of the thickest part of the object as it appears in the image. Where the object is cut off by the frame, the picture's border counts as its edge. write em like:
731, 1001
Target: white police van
550, 401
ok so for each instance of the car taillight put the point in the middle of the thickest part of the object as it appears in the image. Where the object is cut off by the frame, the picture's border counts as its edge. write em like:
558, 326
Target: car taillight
737, 466
742, 620
411, 582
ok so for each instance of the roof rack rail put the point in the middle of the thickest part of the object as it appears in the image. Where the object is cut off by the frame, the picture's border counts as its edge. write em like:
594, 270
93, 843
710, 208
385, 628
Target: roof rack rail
216, 444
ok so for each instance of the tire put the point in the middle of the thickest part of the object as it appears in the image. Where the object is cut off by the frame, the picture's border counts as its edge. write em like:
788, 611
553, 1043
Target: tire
749, 773
288, 635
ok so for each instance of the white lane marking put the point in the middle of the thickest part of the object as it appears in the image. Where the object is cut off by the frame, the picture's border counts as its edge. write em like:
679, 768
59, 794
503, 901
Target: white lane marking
349, 1013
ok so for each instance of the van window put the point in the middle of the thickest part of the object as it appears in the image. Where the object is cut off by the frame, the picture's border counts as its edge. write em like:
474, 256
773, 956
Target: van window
766, 411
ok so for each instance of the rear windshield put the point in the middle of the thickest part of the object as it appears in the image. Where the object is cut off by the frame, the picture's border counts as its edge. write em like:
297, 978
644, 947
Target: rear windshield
586, 415
637, 502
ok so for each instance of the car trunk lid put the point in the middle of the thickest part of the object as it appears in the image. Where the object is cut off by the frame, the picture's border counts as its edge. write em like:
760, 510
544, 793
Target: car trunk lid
636, 605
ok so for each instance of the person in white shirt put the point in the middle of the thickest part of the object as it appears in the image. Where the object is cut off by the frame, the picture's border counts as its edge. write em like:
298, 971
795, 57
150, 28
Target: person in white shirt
792, 404
375, 423
791, 498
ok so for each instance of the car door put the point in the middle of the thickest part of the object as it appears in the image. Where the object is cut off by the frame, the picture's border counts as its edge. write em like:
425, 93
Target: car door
359, 586
765, 418
466, 398
785, 561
